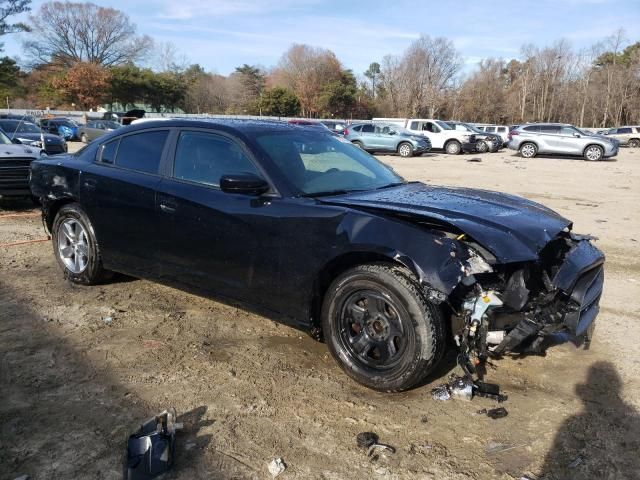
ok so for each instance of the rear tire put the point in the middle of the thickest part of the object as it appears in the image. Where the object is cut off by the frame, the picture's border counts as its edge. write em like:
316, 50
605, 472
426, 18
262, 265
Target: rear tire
593, 153
634, 143
528, 150
75, 246
453, 147
380, 328
84, 138
405, 150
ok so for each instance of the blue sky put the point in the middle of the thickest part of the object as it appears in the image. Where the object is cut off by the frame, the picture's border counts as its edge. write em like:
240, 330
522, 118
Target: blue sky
222, 34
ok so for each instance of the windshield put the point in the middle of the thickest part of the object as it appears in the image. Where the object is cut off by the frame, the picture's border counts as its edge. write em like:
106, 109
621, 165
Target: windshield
111, 125
318, 164
67, 123
444, 125
19, 127
4, 140
473, 128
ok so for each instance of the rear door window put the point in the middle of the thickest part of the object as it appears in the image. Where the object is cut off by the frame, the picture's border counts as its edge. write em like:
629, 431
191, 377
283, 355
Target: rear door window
414, 125
502, 129
624, 130
142, 151
549, 129
532, 128
490, 129
368, 129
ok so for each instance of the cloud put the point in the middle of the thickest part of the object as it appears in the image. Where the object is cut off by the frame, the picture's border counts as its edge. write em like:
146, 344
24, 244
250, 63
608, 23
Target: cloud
190, 9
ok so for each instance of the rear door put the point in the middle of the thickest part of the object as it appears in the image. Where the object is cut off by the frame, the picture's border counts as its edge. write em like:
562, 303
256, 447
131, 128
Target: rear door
369, 137
118, 192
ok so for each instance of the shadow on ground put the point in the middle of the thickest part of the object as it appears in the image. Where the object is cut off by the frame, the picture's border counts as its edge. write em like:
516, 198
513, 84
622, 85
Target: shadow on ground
602, 441
62, 416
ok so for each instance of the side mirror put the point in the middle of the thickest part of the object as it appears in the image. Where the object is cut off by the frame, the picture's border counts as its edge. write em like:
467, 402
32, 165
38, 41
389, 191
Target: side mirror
245, 184
577, 135
15, 140
392, 132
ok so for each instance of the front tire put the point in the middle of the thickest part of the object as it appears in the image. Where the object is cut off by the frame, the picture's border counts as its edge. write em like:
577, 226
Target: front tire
405, 150
75, 246
380, 328
593, 153
358, 144
453, 147
528, 150
482, 147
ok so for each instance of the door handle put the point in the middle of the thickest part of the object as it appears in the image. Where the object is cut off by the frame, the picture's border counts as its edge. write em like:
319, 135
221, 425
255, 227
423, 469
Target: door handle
168, 207
90, 184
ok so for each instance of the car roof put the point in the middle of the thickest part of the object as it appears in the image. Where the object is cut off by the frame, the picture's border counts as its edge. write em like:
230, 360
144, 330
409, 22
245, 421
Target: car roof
242, 126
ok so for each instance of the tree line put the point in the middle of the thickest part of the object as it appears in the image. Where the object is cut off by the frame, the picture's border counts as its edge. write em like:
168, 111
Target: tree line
83, 55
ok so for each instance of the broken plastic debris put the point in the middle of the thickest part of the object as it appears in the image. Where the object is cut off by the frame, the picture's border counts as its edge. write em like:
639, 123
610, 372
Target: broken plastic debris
462, 388
369, 440
441, 393
496, 413
151, 449
107, 319
577, 461
276, 467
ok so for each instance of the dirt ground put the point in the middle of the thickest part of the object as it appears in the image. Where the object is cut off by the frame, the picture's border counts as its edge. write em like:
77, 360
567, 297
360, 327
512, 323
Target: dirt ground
80, 367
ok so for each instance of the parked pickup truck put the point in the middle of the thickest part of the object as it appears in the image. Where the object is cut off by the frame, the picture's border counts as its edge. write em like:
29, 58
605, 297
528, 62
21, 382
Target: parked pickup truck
441, 135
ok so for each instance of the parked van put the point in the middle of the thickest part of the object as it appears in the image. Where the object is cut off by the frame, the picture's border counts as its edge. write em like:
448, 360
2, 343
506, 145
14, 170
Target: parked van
441, 135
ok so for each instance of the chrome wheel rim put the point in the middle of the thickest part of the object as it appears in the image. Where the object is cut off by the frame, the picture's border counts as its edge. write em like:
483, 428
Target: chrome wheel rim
405, 150
528, 151
482, 147
594, 153
371, 329
452, 148
73, 245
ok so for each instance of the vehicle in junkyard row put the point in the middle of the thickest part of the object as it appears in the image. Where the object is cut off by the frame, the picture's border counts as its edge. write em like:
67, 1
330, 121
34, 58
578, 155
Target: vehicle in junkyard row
485, 142
382, 137
315, 232
15, 162
96, 128
561, 139
30, 134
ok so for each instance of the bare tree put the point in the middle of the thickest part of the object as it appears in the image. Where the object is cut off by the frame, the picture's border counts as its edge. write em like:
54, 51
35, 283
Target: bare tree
9, 8
67, 33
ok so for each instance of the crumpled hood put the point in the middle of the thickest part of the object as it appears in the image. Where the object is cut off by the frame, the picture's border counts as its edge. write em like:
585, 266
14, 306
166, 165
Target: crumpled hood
512, 228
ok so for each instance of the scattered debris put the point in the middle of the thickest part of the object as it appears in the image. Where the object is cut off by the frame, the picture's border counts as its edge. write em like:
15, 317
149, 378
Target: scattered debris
474, 159
424, 419
369, 440
276, 467
465, 388
150, 450
495, 448
496, 413
107, 320
576, 461
441, 393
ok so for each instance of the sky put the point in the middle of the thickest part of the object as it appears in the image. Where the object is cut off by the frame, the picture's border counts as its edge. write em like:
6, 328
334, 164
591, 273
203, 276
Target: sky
223, 34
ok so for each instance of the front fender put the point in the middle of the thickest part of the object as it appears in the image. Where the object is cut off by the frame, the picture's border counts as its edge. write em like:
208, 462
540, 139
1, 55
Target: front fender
436, 261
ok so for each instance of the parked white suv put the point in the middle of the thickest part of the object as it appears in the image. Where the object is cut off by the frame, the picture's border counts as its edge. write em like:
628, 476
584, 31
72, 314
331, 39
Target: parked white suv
501, 130
441, 135
626, 135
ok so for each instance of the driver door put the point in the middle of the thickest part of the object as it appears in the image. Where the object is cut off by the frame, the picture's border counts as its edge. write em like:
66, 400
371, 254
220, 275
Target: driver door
214, 241
387, 137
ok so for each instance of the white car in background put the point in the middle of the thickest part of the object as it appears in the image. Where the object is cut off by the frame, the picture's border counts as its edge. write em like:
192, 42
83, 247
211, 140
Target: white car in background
441, 135
15, 164
626, 135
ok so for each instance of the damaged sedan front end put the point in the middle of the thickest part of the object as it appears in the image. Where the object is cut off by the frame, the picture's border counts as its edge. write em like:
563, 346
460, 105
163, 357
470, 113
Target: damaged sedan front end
528, 306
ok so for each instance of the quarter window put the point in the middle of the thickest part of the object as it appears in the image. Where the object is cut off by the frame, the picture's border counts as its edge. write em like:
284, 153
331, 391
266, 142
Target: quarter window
204, 158
624, 130
142, 151
108, 152
490, 129
532, 128
502, 129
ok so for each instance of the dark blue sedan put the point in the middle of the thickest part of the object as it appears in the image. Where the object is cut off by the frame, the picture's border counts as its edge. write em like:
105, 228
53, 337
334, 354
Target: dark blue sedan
316, 232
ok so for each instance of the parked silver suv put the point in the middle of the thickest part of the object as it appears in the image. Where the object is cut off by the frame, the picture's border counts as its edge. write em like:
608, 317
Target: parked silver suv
561, 139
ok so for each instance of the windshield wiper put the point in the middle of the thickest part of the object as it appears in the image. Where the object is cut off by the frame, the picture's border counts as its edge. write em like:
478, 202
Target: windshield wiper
328, 193
389, 185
